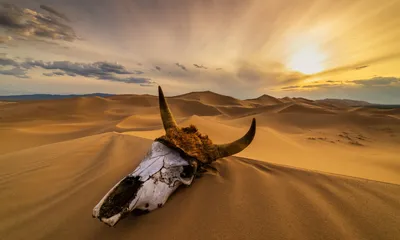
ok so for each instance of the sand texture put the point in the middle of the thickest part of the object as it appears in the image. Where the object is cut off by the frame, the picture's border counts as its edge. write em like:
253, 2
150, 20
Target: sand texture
315, 170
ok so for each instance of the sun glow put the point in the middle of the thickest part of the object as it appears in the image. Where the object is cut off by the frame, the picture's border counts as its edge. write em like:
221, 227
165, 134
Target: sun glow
307, 60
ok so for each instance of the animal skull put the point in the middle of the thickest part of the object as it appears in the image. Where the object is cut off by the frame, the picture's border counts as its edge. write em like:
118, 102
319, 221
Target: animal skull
173, 160
147, 188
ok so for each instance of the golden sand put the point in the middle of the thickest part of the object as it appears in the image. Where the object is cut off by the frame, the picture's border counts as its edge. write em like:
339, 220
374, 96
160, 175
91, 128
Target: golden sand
313, 171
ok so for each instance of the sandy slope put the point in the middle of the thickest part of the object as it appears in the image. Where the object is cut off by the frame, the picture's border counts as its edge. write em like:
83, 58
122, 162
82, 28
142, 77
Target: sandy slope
312, 172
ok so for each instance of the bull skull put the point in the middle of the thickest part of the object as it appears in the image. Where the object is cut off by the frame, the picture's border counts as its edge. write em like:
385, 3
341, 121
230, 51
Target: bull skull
174, 159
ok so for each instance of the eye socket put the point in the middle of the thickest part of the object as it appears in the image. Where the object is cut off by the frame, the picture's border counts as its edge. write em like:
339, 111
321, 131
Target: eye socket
189, 170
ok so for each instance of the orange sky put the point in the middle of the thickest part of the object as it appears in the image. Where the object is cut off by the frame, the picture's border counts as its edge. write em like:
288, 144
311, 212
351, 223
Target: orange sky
315, 49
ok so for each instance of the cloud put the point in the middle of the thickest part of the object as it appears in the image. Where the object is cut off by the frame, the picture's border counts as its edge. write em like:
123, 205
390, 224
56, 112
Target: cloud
377, 90
16, 72
318, 86
290, 87
113, 68
29, 23
218, 69
367, 83
148, 84
53, 11
8, 62
311, 86
199, 66
377, 81
361, 67
158, 68
181, 66
98, 70
136, 80
54, 74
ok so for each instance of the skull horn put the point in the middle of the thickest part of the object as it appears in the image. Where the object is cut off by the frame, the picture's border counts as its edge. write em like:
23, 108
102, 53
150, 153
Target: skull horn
232, 148
166, 115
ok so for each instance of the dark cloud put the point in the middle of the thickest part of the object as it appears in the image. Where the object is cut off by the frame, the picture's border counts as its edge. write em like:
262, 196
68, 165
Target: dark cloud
98, 70
54, 74
128, 80
290, 87
148, 84
29, 23
70, 74
53, 11
199, 66
112, 67
315, 85
8, 62
367, 83
361, 67
377, 81
318, 85
16, 72
158, 68
378, 90
139, 72
181, 66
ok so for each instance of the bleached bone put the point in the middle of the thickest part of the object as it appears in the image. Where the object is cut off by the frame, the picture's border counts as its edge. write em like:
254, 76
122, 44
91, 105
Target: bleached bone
159, 175
173, 160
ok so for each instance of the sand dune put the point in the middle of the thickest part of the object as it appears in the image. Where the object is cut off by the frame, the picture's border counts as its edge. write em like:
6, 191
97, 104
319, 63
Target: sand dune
265, 100
211, 98
304, 109
244, 199
313, 171
286, 99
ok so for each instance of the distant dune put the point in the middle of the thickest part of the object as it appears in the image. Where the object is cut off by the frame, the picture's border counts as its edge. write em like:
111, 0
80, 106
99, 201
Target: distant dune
211, 98
265, 100
344, 102
49, 96
319, 169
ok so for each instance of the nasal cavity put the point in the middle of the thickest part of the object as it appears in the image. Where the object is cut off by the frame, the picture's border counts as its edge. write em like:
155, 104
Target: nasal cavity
120, 197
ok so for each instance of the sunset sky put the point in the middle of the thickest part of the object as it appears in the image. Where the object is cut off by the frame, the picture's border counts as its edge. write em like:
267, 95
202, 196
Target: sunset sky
242, 48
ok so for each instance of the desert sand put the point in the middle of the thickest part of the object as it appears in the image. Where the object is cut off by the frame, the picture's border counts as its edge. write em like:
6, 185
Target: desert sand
315, 170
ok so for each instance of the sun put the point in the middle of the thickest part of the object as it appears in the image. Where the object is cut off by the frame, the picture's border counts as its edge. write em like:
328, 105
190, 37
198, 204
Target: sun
307, 60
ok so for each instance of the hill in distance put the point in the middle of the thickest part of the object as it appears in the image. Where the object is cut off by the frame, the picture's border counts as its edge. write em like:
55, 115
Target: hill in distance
212, 98
31, 97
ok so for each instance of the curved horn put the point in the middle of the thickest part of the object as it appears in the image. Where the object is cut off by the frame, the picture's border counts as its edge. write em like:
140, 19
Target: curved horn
166, 115
229, 149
